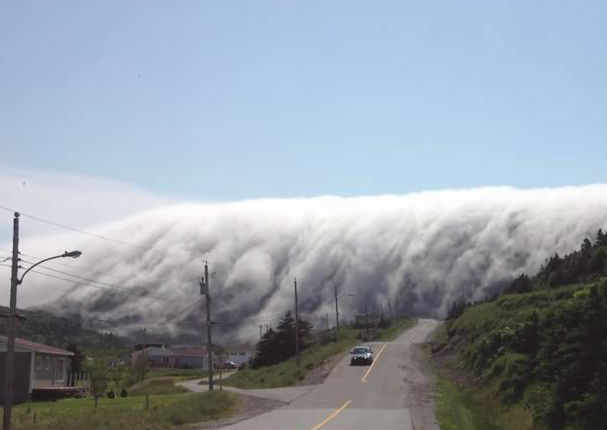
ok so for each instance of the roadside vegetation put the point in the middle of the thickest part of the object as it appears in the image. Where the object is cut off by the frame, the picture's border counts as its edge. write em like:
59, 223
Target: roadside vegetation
533, 357
159, 385
167, 411
284, 372
177, 374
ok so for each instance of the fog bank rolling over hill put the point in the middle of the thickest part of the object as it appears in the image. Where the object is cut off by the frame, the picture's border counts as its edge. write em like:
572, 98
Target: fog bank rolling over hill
417, 252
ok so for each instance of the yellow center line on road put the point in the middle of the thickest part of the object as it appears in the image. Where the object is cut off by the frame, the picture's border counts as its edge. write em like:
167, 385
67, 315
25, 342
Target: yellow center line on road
364, 378
333, 415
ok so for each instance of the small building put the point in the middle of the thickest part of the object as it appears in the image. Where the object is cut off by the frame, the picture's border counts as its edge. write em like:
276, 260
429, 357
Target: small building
38, 367
183, 356
190, 357
240, 354
158, 356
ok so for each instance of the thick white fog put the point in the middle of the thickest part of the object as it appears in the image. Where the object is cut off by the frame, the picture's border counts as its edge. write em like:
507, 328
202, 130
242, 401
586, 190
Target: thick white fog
414, 253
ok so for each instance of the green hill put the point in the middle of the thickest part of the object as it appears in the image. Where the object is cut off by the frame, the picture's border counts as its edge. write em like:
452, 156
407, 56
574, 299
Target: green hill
45, 327
535, 357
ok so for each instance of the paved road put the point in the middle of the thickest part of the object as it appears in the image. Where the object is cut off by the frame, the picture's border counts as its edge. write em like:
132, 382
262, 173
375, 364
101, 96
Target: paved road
284, 394
362, 397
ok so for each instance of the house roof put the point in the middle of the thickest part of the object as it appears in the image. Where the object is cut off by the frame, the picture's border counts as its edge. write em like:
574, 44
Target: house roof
37, 347
155, 351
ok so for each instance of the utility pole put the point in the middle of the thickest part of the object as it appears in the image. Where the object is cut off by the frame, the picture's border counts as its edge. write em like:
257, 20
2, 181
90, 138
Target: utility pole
12, 329
327, 320
260, 331
336, 313
367, 321
204, 289
297, 357
145, 361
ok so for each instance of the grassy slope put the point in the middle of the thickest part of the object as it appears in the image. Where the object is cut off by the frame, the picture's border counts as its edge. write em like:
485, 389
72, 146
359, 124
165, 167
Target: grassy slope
162, 385
286, 373
487, 343
177, 374
165, 411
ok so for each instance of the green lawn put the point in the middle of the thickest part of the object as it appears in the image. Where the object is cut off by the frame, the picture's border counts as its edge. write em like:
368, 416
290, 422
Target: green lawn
177, 374
166, 411
286, 373
160, 385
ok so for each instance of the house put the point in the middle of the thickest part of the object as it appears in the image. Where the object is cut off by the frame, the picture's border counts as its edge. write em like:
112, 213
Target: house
177, 356
239, 354
190, 356
156, 356
38, 367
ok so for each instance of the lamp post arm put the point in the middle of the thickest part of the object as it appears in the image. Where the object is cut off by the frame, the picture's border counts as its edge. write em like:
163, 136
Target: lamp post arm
20, 280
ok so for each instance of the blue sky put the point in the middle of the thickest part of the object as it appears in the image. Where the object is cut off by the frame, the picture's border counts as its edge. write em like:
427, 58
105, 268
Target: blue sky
241, 99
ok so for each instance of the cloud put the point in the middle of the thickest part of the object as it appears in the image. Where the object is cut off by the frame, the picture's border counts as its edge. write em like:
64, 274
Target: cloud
74, 200
416, 252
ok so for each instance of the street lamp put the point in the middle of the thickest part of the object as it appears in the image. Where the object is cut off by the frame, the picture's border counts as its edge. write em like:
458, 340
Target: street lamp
337, 309
71, 254
12, 319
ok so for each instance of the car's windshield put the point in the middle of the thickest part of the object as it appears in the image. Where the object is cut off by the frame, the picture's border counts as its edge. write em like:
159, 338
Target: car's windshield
360, 350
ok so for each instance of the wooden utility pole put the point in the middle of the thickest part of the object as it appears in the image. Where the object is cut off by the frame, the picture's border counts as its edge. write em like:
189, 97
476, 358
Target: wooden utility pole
11, 329
260, 331
367, 321
145, 361
204, 289
297, 357
336, 313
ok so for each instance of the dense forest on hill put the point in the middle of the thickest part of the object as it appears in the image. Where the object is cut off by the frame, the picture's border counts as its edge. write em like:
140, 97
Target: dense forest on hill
60, 331
541, 345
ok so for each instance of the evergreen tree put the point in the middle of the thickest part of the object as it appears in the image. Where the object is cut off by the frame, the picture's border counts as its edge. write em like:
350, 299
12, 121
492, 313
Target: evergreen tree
77, 358
279, 345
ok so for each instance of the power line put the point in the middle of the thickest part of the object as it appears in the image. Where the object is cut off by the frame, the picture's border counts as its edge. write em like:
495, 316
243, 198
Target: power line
57, 263
90, 280
56, 224
127, 291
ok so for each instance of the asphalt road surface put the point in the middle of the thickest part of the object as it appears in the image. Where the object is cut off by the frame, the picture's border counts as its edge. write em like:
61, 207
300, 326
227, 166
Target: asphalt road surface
380, 396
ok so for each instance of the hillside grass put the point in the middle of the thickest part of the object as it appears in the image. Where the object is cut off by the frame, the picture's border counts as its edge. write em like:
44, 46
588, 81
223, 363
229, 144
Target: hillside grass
177, 374
162, 385
168, 411
287, 373
522, 357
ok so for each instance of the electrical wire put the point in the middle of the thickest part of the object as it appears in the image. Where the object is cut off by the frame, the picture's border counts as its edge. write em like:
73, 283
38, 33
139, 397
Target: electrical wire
114, 288
87, 279
88, 233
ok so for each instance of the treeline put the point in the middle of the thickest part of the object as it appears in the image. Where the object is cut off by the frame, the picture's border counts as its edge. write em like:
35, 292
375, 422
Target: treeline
278, 344
586, 264
63, 331
542, 344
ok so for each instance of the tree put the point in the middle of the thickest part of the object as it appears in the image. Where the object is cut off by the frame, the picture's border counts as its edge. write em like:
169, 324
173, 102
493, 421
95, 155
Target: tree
266, 350
522, 284
77, 358
279, 345
586, 245
99, 377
